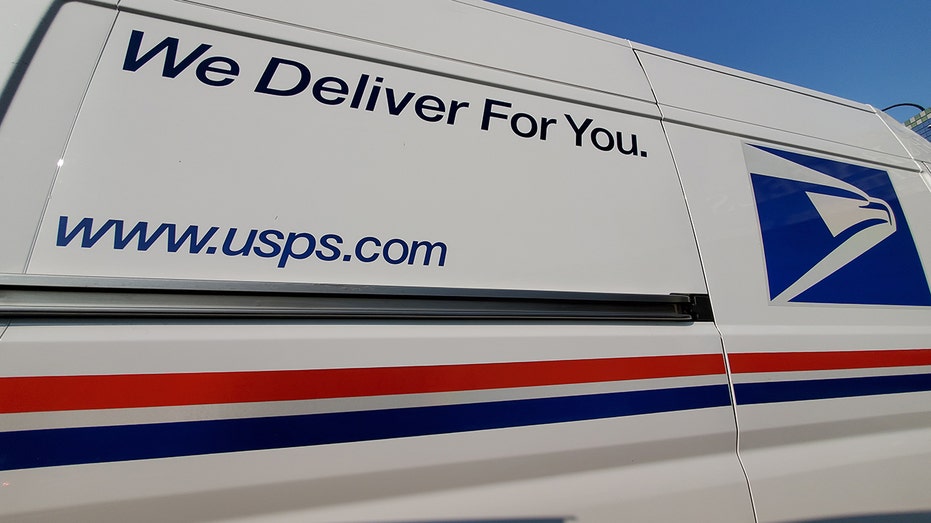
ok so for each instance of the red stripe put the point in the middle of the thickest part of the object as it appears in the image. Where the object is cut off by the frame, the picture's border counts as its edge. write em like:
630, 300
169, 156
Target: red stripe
51, 393
801, 361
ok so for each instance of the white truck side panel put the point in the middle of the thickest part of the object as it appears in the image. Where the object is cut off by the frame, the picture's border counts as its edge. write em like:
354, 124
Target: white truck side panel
588, 470
472, 32
812, 447
17, 25
917, 146
38, 122
732, 95
314, 164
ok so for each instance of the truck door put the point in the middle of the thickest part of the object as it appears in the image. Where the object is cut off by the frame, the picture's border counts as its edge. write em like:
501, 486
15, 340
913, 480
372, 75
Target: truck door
811, 219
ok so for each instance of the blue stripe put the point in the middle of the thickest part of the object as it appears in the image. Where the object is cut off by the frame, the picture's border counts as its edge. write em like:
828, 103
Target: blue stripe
780, 391
71, 446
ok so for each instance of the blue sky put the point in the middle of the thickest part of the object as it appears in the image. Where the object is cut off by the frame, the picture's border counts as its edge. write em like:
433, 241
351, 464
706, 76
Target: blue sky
872, 51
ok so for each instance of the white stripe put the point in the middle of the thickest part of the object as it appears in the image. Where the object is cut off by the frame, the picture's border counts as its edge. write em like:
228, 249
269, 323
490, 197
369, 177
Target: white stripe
761, 377
147, 415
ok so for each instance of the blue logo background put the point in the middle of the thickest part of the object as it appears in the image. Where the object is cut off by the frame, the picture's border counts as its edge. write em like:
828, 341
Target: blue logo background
795, 238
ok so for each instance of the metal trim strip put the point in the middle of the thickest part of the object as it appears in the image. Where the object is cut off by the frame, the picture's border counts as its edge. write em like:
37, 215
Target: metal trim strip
80, 297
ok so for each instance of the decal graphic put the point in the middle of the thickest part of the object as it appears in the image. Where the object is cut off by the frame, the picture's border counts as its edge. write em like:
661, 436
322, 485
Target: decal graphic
833, 232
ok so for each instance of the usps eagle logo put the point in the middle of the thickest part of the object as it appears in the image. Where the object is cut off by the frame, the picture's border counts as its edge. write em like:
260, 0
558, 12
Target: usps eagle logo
833, 232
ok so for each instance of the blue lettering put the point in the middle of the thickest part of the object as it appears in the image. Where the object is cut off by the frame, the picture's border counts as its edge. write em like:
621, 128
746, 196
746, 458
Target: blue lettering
288, 251
120, 241
132, 61
246, 248
362, 242
331, 243
84, 226
578, 129
488, 114
387, 251
338, 87
270, 243
396, 106
189, 234
429, 246
272, 68
264, 237
231, 69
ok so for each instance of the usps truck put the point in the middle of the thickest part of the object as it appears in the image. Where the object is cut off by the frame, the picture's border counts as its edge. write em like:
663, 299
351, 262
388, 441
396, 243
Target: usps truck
433, 260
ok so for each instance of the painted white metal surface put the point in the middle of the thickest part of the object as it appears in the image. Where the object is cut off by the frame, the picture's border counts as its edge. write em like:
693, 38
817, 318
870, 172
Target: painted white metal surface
917, 146
472, 32
454, 65
306, 190
37, 124
307, 163
18, 21
809, 458
357, 144
729, 95
588, 470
